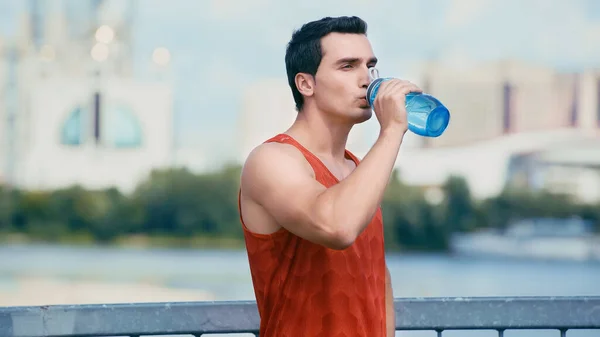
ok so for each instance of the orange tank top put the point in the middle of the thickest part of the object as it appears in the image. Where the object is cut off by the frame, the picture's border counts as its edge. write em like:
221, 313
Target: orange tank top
305, 289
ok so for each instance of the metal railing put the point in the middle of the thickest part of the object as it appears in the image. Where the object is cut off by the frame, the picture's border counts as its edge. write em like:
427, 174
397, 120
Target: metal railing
200, 318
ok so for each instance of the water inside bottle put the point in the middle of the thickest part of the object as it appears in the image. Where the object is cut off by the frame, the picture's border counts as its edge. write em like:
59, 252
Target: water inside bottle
426, 115
417, 111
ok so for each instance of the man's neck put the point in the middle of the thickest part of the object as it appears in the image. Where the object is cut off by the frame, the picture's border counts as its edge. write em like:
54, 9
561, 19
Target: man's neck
323, 137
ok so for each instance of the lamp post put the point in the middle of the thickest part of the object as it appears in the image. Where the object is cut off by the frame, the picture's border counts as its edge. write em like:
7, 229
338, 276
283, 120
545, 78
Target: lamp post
100, 53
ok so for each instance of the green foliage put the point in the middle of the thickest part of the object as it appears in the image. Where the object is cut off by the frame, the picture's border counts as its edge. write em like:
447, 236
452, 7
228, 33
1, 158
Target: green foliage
177, 207
410, 222
180, 203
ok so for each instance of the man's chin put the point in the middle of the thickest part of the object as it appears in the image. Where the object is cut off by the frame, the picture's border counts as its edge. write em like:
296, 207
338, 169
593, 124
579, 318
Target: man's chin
366, 115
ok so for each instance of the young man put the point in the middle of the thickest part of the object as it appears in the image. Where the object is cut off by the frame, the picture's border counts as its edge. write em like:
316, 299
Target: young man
310, 211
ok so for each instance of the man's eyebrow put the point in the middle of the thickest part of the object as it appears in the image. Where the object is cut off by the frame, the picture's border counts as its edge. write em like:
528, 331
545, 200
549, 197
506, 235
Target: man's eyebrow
353, 60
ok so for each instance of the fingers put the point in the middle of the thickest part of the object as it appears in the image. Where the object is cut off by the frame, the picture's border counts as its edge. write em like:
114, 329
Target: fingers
398, 86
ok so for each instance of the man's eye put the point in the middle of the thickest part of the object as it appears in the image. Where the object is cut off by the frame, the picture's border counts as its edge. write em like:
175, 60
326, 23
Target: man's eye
347, 66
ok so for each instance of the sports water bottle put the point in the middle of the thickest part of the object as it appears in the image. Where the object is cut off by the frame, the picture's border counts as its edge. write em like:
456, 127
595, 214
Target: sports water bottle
426, 115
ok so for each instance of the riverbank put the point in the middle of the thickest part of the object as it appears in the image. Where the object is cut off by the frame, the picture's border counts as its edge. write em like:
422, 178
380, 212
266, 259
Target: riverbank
163, 241
35, 291
131, 241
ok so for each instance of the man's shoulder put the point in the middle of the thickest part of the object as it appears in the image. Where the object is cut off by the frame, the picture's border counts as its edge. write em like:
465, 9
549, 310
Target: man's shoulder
274, 160
274, 154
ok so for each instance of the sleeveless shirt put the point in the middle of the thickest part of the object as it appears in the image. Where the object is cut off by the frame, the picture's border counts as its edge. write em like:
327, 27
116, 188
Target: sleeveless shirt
305, 289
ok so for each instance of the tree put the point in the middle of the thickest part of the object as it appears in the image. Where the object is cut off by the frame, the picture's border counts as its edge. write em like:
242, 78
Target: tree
459, 209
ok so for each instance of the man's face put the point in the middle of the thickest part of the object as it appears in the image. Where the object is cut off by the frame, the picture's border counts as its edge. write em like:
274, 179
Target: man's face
342, 78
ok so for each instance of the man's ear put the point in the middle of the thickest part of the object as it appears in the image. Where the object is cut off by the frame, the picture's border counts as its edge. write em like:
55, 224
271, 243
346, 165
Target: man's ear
305, 84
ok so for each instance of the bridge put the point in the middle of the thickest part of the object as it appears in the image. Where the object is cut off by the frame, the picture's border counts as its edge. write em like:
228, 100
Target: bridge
500, 314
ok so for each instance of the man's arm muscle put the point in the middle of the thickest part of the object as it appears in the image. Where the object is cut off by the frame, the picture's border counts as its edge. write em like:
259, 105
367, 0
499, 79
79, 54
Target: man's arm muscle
276, 177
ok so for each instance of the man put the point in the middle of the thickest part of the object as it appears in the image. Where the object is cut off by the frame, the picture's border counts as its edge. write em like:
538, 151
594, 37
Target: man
309, 209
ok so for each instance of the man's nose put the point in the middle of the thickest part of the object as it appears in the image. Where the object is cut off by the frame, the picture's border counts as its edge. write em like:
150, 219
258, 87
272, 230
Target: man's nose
364, 78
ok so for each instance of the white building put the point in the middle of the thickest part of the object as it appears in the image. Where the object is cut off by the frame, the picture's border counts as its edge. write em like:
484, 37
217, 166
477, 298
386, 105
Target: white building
267, 108
3, 107
81, 118
512, 124
564, 161
506, 97
571, 168
112, 137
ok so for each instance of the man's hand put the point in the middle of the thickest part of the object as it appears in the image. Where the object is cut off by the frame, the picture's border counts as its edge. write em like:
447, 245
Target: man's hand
390, 103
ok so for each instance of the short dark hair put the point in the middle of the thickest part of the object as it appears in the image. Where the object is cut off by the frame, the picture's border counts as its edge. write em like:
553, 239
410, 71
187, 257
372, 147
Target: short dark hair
304, 52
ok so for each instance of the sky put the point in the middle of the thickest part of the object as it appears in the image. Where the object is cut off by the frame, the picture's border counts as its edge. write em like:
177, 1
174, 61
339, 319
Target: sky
219, 47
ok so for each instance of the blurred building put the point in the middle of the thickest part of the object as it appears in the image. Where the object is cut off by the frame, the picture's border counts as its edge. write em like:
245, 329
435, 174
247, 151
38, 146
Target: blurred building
565, 162
507, 97
4, 107
570, 167
267, 109
80, 116
512, 124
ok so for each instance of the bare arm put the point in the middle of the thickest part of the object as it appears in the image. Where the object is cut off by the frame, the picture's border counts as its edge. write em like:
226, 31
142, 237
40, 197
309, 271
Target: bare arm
277, 178
389, 305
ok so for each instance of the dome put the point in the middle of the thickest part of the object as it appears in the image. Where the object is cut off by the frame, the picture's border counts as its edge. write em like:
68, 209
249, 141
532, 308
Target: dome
72, 132
120, 127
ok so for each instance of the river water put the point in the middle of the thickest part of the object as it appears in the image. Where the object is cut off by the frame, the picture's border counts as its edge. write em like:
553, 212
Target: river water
181, 274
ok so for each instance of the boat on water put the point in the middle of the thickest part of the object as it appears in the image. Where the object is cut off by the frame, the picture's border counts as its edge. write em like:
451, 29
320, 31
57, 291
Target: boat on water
538, 238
